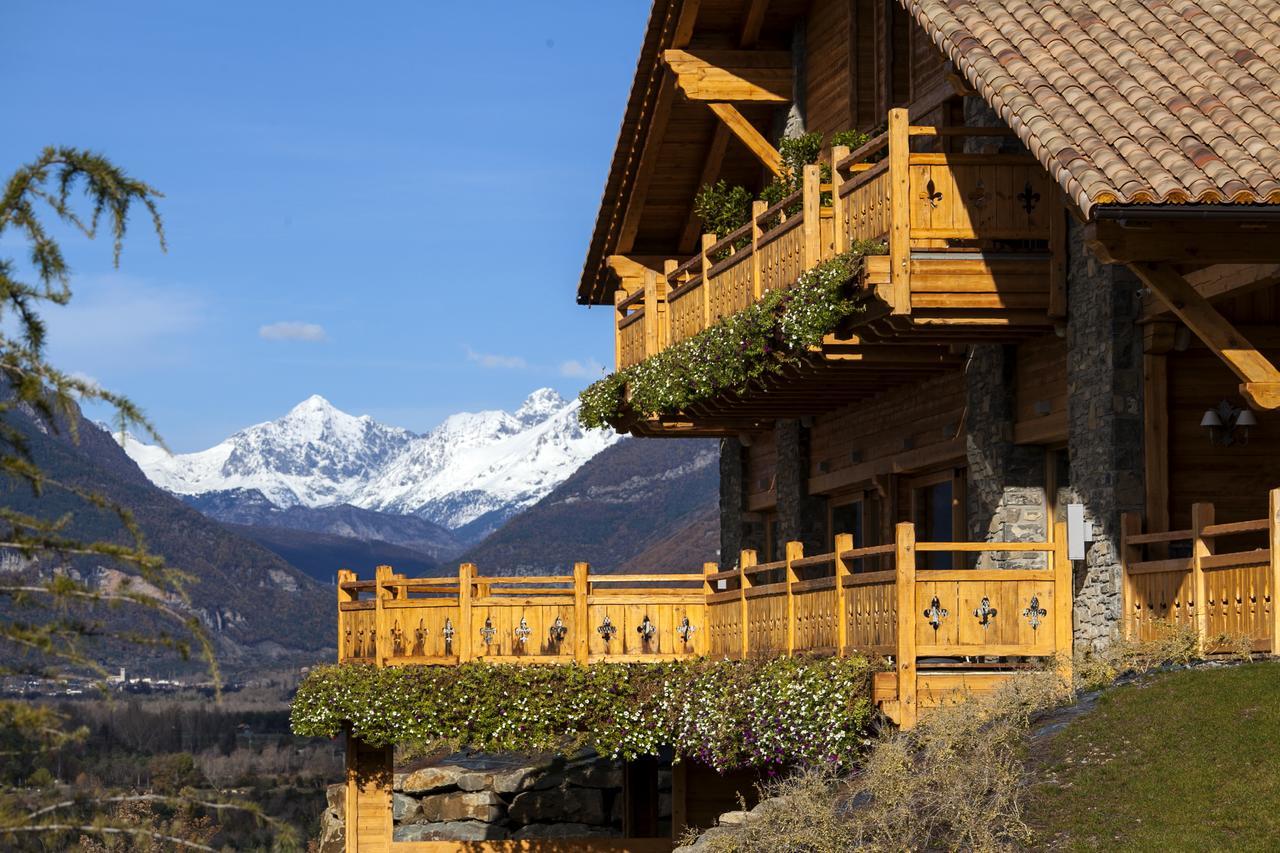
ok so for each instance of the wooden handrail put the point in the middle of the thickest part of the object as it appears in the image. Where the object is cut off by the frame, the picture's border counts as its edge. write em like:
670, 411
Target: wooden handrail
863, 151
631, 299
1234, 528
1169, 536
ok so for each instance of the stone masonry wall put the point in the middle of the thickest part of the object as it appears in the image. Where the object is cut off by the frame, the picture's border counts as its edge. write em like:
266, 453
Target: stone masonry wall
1006, 481
1104, 384
467, 797
801, 516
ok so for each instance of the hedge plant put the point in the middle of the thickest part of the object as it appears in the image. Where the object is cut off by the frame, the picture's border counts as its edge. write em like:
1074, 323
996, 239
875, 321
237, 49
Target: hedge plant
777, 330
724, 713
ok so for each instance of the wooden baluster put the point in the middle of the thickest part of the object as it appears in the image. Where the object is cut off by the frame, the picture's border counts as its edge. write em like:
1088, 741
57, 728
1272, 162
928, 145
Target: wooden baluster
900, 210
344, 597
381, 624
1130, 525
1201, 547
581, 616
1273, 538
844, 542
905, 566
757, 209
462, 636
840, 240
1063, 631
746, 560
794, 551
708, 240
811, 206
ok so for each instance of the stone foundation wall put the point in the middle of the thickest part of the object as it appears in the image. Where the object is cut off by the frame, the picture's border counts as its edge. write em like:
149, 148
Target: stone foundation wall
1104, 385
466, 797
1005, 482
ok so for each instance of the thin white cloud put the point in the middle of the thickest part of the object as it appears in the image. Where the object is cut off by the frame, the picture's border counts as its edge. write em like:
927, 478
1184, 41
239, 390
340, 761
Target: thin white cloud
581, 369
493, 361
288, 330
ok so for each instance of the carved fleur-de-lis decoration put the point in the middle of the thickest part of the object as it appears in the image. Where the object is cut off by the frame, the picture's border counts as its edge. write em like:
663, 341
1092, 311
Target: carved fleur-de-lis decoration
931, 193
1029, 198
985, 612
646, 629
447, 633
487, 632
1035, 612
397, 637
685, 630
522, 631
558, 630
978, 195
607, 629
936, 613
420, 635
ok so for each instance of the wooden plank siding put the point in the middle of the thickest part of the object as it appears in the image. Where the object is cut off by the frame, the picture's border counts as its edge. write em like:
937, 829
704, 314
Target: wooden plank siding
1040, 396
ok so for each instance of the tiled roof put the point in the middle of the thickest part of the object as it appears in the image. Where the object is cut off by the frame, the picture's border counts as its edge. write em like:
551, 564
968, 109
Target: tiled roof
1127, 102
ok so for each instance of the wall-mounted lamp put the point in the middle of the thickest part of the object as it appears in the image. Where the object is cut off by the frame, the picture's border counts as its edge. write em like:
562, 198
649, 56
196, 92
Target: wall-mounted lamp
1228, 425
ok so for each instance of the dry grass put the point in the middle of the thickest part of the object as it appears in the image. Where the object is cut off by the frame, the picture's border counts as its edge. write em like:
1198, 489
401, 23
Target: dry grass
957, 781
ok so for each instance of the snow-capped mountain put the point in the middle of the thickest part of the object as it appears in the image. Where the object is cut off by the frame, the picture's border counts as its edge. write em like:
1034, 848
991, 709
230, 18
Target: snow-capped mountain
475, 465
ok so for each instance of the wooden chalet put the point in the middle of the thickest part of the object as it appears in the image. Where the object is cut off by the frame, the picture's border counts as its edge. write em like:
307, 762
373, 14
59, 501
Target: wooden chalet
1078, 306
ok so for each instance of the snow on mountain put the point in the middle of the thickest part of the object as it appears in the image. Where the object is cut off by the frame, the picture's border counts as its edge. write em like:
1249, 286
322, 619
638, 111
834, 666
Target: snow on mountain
472, 465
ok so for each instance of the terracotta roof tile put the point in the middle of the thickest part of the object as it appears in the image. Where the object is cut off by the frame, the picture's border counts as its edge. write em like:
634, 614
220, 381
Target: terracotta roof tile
1165, 101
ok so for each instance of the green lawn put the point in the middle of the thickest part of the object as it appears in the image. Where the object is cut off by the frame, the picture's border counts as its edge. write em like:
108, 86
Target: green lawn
1180, 761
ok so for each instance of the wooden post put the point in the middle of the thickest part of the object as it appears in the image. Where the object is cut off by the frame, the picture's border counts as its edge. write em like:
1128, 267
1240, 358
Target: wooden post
1063, 609
746, 560
844, 542
381, 624
839, 238
1130, 525
900, 210
344, 596
1273, 538
581, 618
708, 240
650, 313
618, 313
1057, 256
668, 273
757, 209
795, 551
679, 798
1201, 517
905, 566
811, 204
369, 818
464, 634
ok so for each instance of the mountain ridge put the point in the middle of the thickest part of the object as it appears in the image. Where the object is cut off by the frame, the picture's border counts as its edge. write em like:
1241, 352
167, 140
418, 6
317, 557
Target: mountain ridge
472, 472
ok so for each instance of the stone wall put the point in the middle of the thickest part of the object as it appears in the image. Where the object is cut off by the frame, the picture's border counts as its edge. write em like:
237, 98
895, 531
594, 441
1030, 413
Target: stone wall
478, 797
1104, 383
801, 517
1006, 482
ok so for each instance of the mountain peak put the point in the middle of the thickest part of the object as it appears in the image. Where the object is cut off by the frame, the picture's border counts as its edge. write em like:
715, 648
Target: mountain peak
540, 405
314, 403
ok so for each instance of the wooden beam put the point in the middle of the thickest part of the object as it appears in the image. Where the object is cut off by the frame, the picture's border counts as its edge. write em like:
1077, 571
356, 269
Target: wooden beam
710, 171
1197, 241
635, 266
752, 138
760, 76
1260, 381
752, 22
1155, 439
1218, 281
684, 27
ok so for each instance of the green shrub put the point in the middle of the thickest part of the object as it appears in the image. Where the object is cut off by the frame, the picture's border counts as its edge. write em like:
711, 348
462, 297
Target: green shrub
722, 208
723, 713
766, 336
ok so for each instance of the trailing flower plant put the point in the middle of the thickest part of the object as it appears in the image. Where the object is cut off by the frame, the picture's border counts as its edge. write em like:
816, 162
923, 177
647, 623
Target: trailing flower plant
723, 713
763, 338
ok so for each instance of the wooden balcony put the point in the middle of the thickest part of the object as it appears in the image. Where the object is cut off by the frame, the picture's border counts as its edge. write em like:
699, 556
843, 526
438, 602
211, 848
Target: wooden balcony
976, 247
1218, 580
872, 600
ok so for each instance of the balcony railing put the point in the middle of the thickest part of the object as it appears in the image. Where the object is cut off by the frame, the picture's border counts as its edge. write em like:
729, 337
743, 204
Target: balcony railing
872, 600
967, 233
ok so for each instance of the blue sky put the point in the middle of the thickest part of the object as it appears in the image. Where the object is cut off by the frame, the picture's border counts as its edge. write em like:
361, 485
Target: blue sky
387, 203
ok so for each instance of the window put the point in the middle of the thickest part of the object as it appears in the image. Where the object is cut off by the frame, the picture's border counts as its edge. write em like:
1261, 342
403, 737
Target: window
773, 548
858, 515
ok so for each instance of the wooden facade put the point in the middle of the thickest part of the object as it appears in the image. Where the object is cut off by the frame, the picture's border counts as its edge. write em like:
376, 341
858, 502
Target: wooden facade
1030, 338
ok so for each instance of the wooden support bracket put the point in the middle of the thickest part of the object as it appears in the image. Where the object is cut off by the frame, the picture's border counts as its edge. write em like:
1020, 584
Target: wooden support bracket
750, 137
1260, 381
